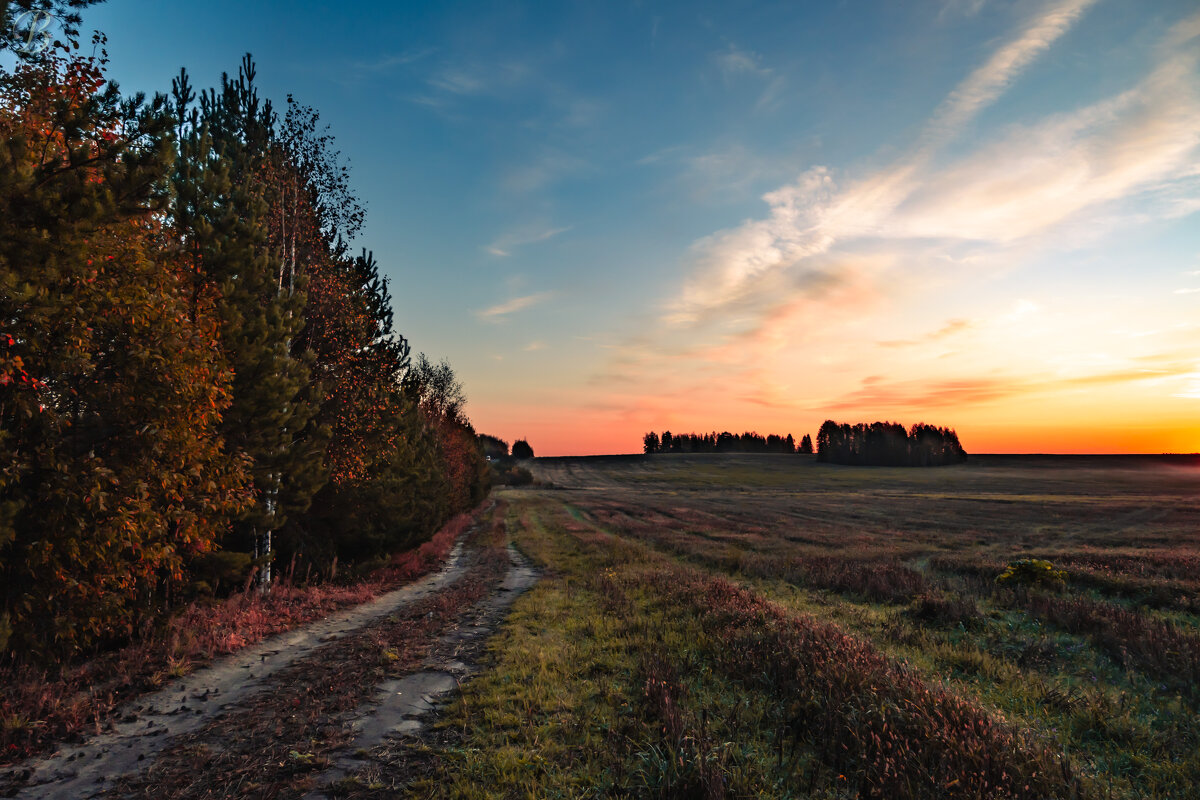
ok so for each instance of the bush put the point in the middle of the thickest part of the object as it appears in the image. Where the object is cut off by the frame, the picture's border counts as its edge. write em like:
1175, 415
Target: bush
510, 475
1032, 572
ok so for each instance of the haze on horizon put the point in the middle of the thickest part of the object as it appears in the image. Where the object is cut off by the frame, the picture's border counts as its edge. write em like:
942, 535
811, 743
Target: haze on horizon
755, 216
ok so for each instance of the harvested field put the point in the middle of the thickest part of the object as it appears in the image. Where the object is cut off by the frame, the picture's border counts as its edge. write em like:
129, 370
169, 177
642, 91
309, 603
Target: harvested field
754, 627
767, 626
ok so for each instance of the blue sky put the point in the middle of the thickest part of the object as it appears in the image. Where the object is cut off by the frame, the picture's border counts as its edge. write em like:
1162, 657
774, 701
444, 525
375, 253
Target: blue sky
616, 217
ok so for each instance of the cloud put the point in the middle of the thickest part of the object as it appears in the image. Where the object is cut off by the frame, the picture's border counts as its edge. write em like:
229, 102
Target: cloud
985, 84
734, 61
1029, 179
500, 310
960, 8
951, 328
535, 346
457, 81
506, 243
876, 393
546, 169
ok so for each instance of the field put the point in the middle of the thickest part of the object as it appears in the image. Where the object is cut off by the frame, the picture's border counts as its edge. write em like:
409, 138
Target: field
766, 626
688, 626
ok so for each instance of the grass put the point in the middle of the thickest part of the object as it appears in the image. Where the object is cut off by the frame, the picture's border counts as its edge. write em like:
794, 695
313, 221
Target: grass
787, 629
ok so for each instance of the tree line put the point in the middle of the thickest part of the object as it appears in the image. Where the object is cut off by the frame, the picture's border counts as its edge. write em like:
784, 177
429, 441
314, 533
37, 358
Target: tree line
888, 444
198, 378
724, 442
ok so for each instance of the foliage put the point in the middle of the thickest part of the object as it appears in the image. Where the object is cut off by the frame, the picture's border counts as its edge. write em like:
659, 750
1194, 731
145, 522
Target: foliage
493, 446
1032, 572
888, 444
724, 442
521, 449
190, 358
112, 387
510, 475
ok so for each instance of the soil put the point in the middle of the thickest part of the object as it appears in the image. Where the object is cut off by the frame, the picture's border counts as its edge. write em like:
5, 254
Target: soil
281, 717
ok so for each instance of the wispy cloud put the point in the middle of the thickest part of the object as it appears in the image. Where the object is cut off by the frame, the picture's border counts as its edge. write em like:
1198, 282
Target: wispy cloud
878, 393
802, 287
985, 84
951, 328
735, 63
546, 169
457, 81
1030, 179
500, 310
504, 244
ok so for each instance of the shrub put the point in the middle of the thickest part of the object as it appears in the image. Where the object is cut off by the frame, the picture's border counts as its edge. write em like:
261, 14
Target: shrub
511, 475
1032, 572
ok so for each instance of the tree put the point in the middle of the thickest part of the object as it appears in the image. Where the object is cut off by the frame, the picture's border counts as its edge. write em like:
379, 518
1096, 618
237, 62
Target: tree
493, 447
650, 443
18, 29
806, 445
220, 215
521, 449
112, 383
888, 444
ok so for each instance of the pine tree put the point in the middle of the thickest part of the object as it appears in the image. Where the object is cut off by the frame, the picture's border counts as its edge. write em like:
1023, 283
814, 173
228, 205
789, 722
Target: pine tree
220, 213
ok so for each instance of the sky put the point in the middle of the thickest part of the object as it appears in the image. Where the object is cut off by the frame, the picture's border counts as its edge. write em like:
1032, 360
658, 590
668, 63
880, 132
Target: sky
617, 217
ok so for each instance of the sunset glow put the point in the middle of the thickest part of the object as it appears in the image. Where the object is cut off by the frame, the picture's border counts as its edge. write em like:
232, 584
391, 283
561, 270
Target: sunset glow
975, 213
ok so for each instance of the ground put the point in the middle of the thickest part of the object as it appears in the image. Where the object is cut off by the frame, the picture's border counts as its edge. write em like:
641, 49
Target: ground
736, 626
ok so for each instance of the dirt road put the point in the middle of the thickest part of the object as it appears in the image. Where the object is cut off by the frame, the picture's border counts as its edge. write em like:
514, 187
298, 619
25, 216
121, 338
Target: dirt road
279, 719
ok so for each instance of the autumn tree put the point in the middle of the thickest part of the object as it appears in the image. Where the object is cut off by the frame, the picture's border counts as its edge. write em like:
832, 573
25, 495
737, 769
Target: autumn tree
112, 382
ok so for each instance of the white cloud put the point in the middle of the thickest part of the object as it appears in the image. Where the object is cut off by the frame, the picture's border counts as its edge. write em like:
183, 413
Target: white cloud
735, 61
985, 84
1144, 142
504, 245
500, 310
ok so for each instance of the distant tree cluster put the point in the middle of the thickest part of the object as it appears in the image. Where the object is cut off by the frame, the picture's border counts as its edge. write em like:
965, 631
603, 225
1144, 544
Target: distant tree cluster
725, 442
888, 444
521, 449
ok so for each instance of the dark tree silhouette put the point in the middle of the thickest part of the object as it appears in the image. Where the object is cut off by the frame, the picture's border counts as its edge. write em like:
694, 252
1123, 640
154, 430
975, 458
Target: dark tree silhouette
806, 446
521, 449
888, 444
493, 446
724, 442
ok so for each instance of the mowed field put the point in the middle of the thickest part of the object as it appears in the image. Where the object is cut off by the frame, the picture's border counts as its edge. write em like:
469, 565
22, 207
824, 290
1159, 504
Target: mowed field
766, 626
